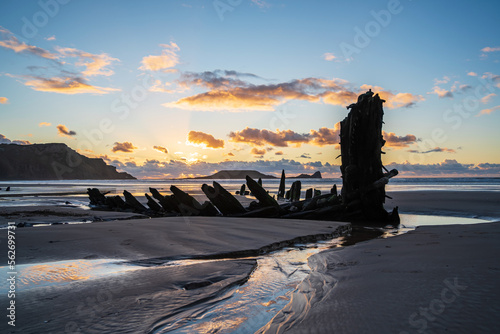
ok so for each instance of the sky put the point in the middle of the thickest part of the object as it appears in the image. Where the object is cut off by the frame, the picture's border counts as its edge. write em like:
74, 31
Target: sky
165, 89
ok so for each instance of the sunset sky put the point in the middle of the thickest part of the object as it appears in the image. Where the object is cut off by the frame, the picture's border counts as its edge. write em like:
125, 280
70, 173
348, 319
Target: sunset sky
175, 88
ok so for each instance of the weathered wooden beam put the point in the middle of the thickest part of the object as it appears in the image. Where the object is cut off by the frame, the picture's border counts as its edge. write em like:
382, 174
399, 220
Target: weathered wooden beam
168, 203
281, 190
152, 204
189, 206
133, 202
222, 199
260, 193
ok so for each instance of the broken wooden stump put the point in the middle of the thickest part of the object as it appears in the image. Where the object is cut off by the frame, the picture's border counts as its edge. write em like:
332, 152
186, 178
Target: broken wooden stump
361, 142
168, 203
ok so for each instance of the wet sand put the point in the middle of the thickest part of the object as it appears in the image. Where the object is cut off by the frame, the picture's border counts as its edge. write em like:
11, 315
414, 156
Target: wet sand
132, 302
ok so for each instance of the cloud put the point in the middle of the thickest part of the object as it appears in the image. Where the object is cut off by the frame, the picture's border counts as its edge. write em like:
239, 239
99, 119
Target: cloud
259, 152
9, 41
96, 64
4, 100
65, 85
444, 80
448, 167
232, 93
5, 140
495, 78
230, 154
394, 141
324, 136
487, 98
204, 139
329, 56
44, 124
161, 149
488, 111
305, 156
159, 87
123, 147
278, 153
441, 92
167, 59
261, 3
490, 49
63, 131
472, 74
434, 150
51, 38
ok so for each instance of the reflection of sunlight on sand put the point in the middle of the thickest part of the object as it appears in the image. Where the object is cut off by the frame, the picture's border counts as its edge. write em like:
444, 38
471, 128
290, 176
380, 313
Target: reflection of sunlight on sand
216, 325
62, 272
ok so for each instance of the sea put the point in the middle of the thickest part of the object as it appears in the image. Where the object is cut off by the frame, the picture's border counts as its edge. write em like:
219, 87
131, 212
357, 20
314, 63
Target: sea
59, 191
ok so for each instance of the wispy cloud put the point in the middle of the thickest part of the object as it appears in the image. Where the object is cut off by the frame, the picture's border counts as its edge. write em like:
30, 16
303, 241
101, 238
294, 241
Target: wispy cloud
161, 149
44, 124
96, 64
329, 56
4, 100
488, 111
204, 139
125, 147
472, 74
51, 38
10, 41
63, 131
434, 150
65, 85
491, 49
487, 98
441, 92
395, 100
166, 60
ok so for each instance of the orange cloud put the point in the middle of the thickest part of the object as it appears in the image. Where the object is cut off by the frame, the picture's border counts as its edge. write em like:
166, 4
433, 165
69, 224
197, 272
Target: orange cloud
392, 140
161, 149
324, 136
204, 139
256, 151
126, 147
63, 131
167, 59
229, 92
66, 85
95, 64
11, 42
488, 111
4, 100
399, 100
44, 124
278, 153
472, 74
329, 56
487, 98
490, 49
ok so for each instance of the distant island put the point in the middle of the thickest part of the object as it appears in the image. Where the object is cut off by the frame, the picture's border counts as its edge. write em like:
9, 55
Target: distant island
235, 174
316, 175
241, 174
52, 162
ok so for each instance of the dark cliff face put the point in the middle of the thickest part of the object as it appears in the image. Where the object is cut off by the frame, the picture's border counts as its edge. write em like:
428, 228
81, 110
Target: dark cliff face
52, 162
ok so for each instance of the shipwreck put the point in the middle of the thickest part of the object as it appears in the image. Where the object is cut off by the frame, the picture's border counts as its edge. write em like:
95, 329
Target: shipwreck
361, 199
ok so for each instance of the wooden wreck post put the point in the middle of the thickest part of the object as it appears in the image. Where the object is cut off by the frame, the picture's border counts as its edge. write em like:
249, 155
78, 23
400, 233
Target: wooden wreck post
361, 144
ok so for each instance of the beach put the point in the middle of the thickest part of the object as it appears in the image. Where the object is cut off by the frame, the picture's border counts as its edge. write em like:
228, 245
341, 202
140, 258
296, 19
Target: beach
375, 286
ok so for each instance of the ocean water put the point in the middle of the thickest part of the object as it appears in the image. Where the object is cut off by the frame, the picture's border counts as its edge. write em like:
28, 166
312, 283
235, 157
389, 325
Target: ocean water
53, 192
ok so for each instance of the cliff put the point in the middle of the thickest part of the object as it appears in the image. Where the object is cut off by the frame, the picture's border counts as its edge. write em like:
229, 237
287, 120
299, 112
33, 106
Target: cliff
52, 162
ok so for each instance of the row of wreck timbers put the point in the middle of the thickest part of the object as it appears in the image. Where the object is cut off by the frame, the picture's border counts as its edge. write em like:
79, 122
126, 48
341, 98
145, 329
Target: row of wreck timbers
361, 199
